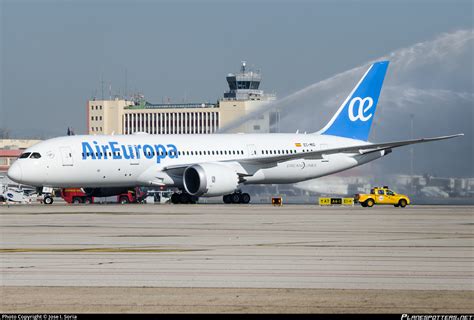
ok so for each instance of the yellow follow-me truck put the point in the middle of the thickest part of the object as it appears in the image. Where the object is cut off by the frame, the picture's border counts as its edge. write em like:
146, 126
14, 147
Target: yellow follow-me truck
382, 195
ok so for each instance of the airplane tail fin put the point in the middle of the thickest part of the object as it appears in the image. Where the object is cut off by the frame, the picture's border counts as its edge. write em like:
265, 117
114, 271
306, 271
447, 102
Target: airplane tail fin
354, 117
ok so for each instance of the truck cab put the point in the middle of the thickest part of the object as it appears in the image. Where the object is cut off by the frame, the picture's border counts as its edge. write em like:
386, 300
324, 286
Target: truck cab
382, 195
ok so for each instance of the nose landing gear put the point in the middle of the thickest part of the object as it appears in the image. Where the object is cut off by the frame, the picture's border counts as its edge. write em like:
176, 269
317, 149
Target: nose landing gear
47, 193
48, 199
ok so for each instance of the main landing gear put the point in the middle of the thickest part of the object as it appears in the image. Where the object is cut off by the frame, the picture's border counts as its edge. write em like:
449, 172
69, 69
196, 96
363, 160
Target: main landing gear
236, 197
186, 198
183, 198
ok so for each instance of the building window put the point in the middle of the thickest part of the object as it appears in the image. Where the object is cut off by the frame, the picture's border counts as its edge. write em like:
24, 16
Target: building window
92, 128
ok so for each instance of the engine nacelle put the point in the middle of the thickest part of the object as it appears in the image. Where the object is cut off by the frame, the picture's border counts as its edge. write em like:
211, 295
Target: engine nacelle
210, 179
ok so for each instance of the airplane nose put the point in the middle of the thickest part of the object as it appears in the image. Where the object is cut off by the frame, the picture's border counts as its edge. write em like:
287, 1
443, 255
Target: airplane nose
15, 173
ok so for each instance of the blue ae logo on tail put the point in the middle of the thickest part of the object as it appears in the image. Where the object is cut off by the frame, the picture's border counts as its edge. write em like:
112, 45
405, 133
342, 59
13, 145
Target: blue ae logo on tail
354, 117
362, 109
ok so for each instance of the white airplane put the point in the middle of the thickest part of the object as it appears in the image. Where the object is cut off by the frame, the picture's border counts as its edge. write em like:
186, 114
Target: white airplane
211, 165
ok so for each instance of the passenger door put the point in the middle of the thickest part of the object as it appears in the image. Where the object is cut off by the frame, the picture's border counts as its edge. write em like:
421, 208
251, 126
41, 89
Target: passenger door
252, 150
66, 156
323, 146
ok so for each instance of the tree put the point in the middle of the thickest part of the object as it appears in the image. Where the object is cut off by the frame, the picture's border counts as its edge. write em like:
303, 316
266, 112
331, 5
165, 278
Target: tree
4, 133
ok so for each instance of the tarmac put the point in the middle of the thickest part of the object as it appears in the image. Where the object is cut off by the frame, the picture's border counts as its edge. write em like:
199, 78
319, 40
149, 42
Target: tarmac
236, 258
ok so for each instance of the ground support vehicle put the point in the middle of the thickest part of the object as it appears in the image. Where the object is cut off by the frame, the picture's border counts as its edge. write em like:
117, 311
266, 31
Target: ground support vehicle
382, 195
77, 195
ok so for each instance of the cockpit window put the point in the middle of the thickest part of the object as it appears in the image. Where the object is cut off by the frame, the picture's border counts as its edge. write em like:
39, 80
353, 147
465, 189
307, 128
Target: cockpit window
25, 155
35, 155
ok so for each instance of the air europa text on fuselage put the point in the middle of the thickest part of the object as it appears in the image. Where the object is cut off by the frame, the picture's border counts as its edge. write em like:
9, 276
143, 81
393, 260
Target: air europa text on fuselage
115, 150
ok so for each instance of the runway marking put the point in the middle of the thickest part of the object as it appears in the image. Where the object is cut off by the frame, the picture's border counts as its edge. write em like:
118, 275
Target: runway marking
144, 236
124, 250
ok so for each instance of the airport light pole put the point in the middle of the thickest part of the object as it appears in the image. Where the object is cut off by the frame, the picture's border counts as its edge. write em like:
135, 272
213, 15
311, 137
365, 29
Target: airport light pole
412, 117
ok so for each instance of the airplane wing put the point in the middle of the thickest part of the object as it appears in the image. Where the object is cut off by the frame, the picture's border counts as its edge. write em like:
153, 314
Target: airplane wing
357, 149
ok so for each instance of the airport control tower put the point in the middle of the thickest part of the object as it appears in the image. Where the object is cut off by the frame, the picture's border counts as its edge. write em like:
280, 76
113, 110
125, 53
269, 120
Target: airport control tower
244, 85
245, 96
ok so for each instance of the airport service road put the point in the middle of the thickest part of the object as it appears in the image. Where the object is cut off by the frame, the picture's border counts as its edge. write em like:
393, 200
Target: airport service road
238, 246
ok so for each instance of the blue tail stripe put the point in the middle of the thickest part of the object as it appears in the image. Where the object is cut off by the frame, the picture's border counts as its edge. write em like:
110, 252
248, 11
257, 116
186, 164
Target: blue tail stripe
354, 118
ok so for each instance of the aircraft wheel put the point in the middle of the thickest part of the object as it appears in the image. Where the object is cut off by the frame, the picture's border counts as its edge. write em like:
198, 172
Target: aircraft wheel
245, 198
48, 200
184, 198
402, 203
370, 203
175, 198
194, 199
235, 197
124, 200
227, 199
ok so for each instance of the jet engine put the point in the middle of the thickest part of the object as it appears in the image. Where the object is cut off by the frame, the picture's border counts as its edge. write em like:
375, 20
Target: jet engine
210, 179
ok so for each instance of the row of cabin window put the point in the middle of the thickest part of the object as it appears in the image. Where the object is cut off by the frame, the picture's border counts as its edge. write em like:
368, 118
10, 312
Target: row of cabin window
180, 153
279, 151
206, 152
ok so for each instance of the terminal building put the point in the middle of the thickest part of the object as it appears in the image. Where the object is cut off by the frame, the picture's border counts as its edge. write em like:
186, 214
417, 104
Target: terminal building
123, 116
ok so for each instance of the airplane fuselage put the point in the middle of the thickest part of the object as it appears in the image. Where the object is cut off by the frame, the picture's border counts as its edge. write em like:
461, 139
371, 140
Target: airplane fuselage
147, 160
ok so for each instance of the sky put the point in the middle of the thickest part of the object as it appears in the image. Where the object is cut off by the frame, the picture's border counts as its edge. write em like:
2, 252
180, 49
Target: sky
54, 56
